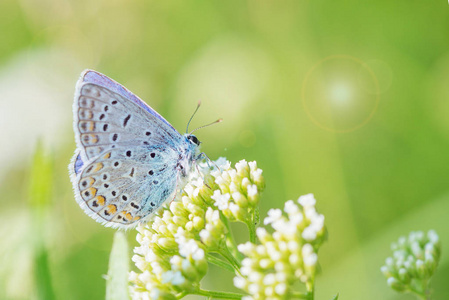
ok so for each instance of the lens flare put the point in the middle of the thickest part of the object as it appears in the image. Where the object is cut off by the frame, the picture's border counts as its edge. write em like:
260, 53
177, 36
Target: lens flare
334, 93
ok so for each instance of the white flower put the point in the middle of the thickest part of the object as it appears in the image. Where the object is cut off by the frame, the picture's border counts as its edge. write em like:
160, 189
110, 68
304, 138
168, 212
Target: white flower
310, 260
239, 282
287, 254
307, 200
280, 289
309, 234
204, 234
173, 277
256, 175
261, 233
221, 201
413, 261
273, 215
168, 255
241, 166
252, 190
291, 208
245, 248
191, 249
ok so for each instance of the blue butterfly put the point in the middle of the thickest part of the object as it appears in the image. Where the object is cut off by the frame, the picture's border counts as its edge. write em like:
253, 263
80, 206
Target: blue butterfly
129, 160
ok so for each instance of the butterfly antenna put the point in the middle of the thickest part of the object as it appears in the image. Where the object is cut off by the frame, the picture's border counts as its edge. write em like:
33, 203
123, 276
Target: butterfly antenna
218, 121
197, 107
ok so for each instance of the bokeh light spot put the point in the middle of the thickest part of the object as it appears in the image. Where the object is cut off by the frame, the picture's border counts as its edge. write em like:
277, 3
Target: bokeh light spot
335, 94
341, 93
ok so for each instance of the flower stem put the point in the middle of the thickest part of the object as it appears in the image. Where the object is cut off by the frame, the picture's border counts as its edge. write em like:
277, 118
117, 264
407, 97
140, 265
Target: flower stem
219, 262
310, 286
252, 230
298, 295
419, 295
224, 251
220, 295
422, 291
230, 241
181, 295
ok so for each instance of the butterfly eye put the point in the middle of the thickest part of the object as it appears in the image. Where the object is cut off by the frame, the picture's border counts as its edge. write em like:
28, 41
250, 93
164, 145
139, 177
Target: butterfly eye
193, 139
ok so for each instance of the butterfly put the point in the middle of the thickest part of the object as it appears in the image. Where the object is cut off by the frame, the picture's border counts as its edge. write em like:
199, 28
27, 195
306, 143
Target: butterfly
129, 160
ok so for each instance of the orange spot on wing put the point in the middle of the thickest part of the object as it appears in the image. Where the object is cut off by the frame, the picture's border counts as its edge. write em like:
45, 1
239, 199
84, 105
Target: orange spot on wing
86, 114
87, 182
107, 155
89, 193
97, 167
137, 218
93, 138
93, 191
129, 216
100, 200
112, 209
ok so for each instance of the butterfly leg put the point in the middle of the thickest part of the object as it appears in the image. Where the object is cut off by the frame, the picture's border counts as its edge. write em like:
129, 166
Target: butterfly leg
204, 155
202, 175
174, 195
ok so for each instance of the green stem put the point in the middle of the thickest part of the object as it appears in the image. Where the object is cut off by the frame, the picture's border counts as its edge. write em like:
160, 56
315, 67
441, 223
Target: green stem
310, 286
230, 241
224, 251
219, 262
421, 291
252, 230
220, 295
299, 295
181, 295
419, 295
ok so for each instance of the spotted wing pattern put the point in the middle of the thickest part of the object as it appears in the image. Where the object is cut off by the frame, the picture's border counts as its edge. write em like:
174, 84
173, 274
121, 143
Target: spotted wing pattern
122, 186
126, 158
97, 78
104, 119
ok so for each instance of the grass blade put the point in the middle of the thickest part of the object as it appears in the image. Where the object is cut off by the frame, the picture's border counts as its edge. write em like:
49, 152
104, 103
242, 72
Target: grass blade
117, 279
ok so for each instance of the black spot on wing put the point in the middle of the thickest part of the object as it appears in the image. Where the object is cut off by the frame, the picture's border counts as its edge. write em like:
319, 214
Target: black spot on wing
126, 120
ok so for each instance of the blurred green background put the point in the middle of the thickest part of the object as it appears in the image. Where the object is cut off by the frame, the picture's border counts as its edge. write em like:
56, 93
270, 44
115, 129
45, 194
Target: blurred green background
348, 100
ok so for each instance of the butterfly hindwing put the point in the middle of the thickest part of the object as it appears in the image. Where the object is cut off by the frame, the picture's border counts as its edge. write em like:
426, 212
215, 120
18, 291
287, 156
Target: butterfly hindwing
119, 188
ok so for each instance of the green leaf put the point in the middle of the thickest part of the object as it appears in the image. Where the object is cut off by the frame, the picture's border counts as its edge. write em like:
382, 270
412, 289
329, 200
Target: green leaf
40, 189
41, 179
42, 276
117, 279
335, 297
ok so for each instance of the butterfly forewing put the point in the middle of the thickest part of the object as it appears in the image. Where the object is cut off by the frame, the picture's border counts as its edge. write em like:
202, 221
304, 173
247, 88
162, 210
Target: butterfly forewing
105, 119
91, 76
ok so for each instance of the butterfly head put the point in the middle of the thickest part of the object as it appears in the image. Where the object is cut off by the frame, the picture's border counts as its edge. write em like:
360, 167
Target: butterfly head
193, 139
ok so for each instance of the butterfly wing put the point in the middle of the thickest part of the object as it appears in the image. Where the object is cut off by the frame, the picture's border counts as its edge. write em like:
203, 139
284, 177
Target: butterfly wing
103, 118
122, 186
91, 76
111, 121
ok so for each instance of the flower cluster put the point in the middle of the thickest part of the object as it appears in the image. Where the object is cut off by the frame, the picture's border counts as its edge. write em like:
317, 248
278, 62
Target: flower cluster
239, 190
285, 256
174, 245
413, 262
